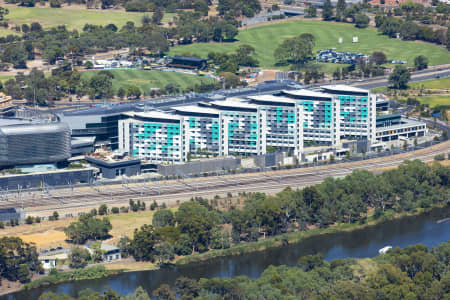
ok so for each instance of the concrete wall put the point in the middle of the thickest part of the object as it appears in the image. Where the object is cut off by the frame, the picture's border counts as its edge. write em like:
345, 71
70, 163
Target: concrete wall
129, 171
37, 180
199, 167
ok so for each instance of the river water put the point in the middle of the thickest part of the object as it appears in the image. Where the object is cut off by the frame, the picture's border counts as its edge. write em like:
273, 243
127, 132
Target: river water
359, 243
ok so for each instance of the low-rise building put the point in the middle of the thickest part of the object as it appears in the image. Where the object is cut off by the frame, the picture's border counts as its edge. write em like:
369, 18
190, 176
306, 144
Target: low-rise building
393, 127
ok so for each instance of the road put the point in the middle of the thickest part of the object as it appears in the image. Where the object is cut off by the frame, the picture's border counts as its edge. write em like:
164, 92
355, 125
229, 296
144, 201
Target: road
81, 199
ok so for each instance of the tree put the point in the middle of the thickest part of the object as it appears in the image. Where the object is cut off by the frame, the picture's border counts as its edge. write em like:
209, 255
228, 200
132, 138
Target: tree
164, 252
55, 215
340, 9
88, 227
133, 92
142, 246
121, 93
79, 257
399, 77
230, 80
23, 274
197, 222
163, 293
103, 210
311, 11
3, 13
201, 6
361, 21
378, 57
327, 11
100, 85
421, 62
295, 50
163, 218
157, 16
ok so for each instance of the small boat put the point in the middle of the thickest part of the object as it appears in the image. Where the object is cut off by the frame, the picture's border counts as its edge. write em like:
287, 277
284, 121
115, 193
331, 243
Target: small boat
384, 250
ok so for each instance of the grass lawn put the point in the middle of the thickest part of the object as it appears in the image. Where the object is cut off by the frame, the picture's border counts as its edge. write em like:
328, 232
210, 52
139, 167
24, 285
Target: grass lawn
433, 101
266, 38
145, 79
443, 83
73, 18
4, 78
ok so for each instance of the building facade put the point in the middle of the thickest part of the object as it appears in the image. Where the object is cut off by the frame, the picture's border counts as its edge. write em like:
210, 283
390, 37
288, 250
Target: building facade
154, 136
319, 121
287, 121
29, 143
283, 122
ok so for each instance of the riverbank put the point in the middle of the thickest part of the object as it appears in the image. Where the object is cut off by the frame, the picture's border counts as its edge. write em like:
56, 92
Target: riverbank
297, 236
420, 227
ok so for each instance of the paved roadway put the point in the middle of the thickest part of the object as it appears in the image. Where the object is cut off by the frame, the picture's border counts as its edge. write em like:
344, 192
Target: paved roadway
81, 199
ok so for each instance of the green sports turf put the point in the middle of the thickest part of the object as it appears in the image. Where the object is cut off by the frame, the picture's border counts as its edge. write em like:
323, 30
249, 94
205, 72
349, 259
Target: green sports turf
145, 80
266, 38
73, 18
433, 101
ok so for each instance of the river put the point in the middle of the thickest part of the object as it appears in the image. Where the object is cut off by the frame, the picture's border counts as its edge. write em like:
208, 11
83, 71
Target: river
359, 243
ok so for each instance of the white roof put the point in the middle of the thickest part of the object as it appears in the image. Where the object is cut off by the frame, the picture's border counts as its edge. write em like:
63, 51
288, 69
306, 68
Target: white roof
158, 115
344, 88
272, 98
235, 103
195, 109
307, 93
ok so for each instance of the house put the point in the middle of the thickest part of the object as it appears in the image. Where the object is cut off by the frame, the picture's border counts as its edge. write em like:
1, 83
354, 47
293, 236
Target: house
110, 252
48, 258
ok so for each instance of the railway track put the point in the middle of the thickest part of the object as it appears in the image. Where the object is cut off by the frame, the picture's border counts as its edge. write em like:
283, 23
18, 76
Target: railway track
35, 202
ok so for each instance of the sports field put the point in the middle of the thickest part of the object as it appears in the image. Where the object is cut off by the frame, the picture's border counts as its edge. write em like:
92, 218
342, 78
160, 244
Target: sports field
72, 17
266, 38
145, 80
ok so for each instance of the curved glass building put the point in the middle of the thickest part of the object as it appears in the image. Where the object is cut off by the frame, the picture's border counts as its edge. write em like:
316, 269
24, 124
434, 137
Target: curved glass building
25, 143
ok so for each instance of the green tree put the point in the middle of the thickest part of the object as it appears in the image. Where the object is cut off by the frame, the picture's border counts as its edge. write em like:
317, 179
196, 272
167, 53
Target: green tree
121, 93
103, 210
142, 246
3, 13
163, 218
78, 257
421, 62
197, 222
88, 227
295, 50
361, 21
311, 11
157, 16
327, 11
100, 85
133, 92
399, 77
378, 57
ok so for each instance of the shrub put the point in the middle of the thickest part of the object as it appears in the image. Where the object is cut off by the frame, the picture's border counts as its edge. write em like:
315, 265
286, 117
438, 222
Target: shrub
439, 157
29, 220
37, 219
103, 210
2, 225
124, 209
115, 210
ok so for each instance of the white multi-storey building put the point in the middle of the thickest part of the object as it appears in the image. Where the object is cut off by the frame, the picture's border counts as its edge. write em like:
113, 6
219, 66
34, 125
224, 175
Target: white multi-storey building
320, 124
153, 136
287, 121
284, 122
242, 127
